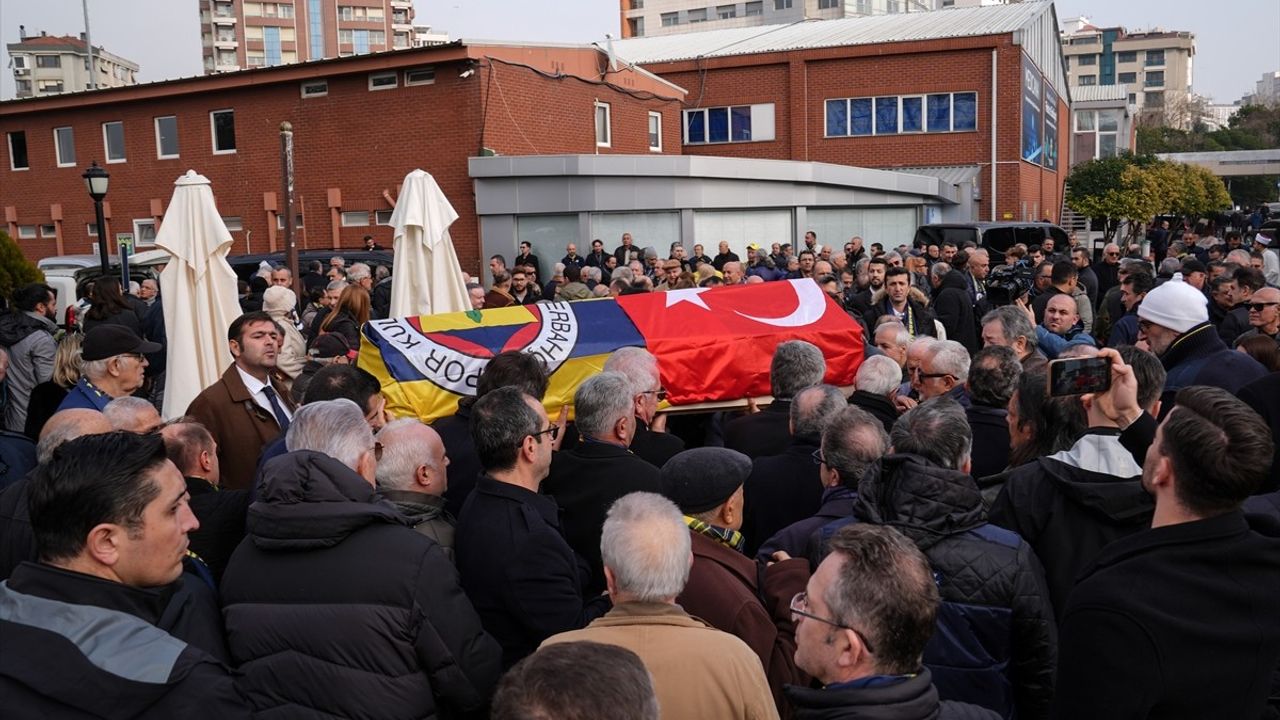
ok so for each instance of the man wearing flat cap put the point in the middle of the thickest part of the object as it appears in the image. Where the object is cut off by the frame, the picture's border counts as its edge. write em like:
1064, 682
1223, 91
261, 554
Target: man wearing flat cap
114, 360
725, 587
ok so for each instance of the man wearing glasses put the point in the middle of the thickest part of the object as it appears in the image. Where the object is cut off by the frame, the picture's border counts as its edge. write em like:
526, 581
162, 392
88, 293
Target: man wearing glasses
650, 441
1107, 270
114, 364
1264, 314
861, 628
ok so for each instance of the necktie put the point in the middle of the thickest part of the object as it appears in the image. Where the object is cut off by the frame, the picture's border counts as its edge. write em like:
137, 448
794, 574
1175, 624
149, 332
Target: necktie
281, 418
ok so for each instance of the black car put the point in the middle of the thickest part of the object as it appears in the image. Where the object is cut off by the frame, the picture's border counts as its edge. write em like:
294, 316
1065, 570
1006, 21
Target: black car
246, 266
995, 237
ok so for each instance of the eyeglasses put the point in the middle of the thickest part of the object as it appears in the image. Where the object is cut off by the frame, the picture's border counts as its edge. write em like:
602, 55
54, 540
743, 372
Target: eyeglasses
377, 451
926, 376
1113, 254
1260, 306
1145, 325
799, 606
819, 458
660, 393
553, 431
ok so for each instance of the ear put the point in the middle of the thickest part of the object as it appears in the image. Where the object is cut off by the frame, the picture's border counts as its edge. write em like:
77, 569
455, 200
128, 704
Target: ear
849, 648
422, 476
622, 429
235, 348
611, 582
206, 460
103, 543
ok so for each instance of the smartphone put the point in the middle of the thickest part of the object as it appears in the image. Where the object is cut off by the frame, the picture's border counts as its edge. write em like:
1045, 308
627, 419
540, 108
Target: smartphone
1076, 376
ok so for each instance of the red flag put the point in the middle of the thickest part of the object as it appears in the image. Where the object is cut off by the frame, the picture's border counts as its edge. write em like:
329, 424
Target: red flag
717, 343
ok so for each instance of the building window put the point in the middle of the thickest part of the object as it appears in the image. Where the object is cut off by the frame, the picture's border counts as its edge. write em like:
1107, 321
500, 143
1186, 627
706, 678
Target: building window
48, 61
1154, 79
18, 150
1085, 121
383, 80
890, 115
27, 232
315, 29
637, 26
222, 126
167, 137
24, 88
345, 37
604, 137
49, 86
286, 10
382, 217
64, 144
698, 15
912, 112
355, 218
781, 4
655, 131
726, 12
755, 8
233, 223
1133, 98
1127, 56
271, 45
19, 62
297, 221
1153, 99
1127, 77
828, 4
886, 115
1085, 60
1087, 80
740, 123
144, 231
113, 141
91, 229
670, 19
637, 4
1155, 57
48, 232
420, 76
315, 88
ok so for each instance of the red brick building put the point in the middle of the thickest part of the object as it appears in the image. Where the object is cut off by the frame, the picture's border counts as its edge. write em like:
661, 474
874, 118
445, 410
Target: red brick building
360, 124
977, 88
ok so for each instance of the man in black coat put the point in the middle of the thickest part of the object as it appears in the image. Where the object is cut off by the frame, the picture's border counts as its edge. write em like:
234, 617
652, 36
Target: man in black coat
650, 440
953, 307
1063, 279
796, 365
98, 625
896, 301
785, 488
1264, 397
1177, 622
525, 580
993, 376
596, 257
333, 604
527, 258
878, 380
586, 480
221, 513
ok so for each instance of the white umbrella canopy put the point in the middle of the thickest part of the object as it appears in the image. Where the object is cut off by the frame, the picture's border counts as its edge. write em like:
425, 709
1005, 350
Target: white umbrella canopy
426, 278
199, 291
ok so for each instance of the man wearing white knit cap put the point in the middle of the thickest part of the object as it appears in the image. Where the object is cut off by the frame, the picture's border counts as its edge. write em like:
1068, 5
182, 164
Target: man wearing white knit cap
1174, 322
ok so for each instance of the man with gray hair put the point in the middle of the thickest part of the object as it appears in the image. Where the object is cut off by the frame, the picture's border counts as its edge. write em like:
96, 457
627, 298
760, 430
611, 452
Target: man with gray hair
586, 480
698, 671
359, 274
853, 441
651, 441
333, 603
991, 584
1009, 326
796, 365
132, 414
878, 381
412, 475
786, 487
944, 371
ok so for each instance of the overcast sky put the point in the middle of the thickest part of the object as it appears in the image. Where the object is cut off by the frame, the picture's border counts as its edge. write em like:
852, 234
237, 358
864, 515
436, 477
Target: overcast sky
163, 36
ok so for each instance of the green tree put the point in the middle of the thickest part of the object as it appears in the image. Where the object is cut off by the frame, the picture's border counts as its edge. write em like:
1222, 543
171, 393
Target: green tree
1115, 188
15, 269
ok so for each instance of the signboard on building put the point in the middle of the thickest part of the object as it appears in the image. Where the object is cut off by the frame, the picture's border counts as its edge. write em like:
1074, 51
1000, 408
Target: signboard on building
1032, 117
1050, 127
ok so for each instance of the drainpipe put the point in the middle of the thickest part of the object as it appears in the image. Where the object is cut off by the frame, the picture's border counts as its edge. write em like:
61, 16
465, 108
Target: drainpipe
994, 91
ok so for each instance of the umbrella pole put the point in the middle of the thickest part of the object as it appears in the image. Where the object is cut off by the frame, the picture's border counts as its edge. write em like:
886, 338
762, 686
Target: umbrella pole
286, 171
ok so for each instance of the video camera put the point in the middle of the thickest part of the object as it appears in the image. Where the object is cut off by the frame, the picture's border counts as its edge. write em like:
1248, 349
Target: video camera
1006, 283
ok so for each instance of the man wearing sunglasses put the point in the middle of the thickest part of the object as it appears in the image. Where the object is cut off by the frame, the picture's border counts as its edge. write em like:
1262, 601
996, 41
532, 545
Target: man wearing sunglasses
1264, 314
861, 628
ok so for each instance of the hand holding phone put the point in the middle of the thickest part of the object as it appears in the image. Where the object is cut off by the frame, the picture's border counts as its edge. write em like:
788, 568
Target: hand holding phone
1077, 376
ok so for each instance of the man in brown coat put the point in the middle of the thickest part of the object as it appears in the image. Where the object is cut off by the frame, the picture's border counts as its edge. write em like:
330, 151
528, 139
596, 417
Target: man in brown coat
725, 587
698, 671
248, 407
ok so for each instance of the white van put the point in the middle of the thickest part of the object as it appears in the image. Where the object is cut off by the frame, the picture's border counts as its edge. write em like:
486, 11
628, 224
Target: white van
68, 274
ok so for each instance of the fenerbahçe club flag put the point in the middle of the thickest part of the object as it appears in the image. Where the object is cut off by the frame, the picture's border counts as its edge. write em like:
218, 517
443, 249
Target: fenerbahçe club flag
712, 344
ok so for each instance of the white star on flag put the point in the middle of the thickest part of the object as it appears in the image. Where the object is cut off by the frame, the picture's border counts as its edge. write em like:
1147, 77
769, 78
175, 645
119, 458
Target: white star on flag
689, 295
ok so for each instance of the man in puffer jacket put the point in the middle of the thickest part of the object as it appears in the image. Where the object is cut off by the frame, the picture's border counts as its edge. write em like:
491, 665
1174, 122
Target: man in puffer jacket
333, 605
27, 333
996, 642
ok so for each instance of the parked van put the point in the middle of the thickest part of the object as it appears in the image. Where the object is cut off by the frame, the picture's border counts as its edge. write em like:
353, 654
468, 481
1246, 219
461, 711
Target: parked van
995, 237
69, 274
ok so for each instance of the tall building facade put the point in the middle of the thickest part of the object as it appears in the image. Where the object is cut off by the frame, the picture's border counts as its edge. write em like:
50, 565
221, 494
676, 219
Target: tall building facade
239, 34
1266, 91
1157, 66
48, 65
648, 18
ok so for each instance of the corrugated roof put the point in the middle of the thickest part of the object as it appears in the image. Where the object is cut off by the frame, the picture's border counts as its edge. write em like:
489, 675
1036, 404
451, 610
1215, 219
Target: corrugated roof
950, 174
902, 27
1099, 93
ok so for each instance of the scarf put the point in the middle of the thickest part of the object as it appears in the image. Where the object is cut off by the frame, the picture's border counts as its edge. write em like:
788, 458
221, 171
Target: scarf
724, 536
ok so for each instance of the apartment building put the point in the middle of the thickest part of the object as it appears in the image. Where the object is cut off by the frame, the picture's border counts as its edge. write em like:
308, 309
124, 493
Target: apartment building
239, 34
48, 65
1157, 65
648, 18
1266, 91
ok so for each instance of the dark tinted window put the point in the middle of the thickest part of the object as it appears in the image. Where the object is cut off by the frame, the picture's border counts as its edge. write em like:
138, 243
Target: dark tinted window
18, 150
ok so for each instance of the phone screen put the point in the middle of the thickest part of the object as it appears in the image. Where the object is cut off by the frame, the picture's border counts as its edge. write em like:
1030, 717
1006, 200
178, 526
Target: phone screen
1076, 376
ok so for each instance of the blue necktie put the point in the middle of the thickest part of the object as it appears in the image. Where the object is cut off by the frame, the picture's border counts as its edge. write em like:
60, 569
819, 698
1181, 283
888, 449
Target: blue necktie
281, 418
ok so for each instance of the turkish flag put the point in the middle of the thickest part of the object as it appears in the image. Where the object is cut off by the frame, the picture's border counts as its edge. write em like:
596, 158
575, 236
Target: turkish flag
717, 343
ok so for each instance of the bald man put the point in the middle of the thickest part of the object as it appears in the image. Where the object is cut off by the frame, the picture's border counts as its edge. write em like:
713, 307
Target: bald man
132, 414
412, 475
1061, 326
1264, 314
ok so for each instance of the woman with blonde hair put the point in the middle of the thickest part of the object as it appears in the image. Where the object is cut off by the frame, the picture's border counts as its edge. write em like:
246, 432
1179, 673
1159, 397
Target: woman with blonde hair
349, 315
48, 395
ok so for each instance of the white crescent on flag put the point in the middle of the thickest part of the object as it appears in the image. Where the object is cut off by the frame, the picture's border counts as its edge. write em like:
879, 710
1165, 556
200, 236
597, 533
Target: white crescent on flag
810, 308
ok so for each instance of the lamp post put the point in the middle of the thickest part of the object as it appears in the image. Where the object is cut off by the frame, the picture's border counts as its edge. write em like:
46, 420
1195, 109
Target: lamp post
96, 179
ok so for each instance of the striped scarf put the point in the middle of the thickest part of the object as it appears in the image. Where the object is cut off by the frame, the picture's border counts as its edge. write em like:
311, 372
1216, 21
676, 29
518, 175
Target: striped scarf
724, 536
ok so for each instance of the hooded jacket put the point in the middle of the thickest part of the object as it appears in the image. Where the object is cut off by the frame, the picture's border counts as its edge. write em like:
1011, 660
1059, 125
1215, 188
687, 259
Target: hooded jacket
333, 604
914, 698
1072, 504
997, 640
29, 340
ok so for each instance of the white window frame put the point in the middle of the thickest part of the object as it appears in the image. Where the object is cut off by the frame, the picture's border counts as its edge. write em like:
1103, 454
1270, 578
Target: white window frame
106, 144
213, 132
9, 139
391, 75
314, 85
91, 229
410, 80
28, 232
140, 223
382, 217
359, 218
297, 220
233, 222
49, 231
57, 147
608, 124
924, 115
654, 116
155, 123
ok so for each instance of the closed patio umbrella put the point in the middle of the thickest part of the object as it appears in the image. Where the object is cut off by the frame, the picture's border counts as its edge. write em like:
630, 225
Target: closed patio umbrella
199, 290
426, 278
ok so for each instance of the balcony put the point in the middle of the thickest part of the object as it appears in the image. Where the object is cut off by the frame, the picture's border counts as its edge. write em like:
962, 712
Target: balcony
226, 43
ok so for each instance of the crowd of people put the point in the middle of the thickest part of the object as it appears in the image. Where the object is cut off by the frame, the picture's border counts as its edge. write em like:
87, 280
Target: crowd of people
942, 538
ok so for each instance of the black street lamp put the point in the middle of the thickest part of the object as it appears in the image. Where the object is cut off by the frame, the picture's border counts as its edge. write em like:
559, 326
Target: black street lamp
96, 179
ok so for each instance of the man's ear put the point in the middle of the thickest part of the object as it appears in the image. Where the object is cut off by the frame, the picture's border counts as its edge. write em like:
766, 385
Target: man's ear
103, 543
